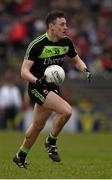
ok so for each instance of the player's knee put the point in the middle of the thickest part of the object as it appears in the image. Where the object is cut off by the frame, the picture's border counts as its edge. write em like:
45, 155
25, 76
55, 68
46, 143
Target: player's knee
67, 112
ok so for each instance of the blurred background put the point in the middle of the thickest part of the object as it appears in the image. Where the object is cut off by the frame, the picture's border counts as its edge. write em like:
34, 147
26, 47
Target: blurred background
90, 28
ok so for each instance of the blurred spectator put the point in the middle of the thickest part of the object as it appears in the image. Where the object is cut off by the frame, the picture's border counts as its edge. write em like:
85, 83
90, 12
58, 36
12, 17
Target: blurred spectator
24, 6
3, 49
10, 99
106, 61
39, 26
18, 36
89, 21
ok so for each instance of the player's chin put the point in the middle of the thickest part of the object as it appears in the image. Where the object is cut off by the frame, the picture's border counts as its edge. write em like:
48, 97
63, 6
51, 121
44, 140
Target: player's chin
63, 35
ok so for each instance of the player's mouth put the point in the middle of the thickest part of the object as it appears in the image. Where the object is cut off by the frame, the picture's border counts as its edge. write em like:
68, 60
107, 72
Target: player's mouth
64, 32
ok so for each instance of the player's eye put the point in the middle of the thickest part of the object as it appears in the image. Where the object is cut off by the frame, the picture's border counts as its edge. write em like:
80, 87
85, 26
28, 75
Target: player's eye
63, 24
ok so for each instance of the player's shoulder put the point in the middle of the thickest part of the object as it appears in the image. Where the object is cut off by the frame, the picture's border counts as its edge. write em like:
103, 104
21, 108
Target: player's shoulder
35, 45
38, 39
66, 39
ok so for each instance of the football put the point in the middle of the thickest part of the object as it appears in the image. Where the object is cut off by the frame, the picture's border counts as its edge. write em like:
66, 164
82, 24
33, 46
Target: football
54, 74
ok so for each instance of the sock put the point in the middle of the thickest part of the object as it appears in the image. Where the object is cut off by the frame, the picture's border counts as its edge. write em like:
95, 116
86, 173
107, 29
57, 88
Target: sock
51, 139
23, 152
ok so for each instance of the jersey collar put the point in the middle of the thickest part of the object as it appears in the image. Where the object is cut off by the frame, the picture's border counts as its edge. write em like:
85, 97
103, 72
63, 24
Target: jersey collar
48, 37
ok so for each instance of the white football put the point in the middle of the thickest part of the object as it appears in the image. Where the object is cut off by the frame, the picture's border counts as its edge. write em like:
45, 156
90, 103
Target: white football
54, 74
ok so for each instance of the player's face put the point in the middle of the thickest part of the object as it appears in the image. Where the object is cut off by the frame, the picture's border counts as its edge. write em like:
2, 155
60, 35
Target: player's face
59, 28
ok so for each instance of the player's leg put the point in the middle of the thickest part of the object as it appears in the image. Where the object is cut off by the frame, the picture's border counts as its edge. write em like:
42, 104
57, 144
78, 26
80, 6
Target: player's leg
61, 107
63, 112
40, 115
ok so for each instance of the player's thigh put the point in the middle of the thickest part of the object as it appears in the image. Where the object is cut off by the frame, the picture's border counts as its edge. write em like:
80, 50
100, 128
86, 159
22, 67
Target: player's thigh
40, 114
55, 103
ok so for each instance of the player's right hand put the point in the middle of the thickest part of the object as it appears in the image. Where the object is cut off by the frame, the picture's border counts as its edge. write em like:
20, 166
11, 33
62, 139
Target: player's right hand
41, 82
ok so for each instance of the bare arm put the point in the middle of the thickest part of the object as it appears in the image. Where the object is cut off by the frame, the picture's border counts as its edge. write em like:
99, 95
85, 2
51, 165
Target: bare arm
78, 63
81, 66
25, 71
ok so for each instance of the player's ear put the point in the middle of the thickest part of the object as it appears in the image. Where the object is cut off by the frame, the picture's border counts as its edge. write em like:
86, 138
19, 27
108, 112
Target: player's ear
51, 26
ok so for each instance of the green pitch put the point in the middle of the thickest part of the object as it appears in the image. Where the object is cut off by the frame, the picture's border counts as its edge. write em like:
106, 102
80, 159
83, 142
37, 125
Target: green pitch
84, 156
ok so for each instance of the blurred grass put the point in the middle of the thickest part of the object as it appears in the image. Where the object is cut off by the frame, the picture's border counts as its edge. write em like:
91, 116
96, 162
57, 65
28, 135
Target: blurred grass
84, 156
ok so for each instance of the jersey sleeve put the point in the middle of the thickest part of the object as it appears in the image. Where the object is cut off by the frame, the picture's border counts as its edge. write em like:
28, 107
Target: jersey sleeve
32, 52
72, 51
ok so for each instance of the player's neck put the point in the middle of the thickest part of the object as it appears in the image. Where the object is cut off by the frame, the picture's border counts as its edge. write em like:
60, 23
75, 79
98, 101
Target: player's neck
51, 37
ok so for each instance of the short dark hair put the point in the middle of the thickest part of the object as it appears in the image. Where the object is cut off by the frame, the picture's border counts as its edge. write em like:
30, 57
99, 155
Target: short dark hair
53, 15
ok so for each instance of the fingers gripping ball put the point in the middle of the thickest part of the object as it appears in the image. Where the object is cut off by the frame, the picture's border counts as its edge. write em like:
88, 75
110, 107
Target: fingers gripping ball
54, 74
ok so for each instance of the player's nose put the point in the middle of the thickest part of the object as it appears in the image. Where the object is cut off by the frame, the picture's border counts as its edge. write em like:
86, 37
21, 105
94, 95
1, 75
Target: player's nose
66, 27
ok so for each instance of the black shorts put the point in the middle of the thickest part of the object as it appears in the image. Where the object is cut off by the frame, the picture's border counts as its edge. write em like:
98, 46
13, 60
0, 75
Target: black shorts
38, 94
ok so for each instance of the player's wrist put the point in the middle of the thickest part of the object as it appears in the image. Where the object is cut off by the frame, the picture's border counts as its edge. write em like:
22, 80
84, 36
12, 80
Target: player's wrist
41, 81
36, 82
87, 74
86, 70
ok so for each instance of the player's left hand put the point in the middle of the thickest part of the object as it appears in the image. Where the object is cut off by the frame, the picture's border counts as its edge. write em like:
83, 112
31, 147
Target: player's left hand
88, 75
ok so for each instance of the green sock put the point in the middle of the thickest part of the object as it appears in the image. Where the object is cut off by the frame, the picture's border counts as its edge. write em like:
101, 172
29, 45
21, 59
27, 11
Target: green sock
23, 151
51, 139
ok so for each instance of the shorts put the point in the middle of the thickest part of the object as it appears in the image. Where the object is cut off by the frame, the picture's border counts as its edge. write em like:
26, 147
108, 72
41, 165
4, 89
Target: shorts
38, 94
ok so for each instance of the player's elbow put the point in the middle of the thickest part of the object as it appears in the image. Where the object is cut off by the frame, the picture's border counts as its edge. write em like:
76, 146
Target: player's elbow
23, 73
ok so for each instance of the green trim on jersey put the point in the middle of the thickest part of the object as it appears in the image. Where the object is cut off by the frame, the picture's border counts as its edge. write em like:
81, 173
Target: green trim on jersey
38, 39
50, 51
48, 37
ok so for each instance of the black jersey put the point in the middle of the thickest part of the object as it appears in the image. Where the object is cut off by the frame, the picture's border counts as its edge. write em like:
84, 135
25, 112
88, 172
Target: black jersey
45, 52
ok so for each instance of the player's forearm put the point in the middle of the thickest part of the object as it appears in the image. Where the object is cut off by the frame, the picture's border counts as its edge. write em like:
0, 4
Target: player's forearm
79, 64
25, 71
28, 76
